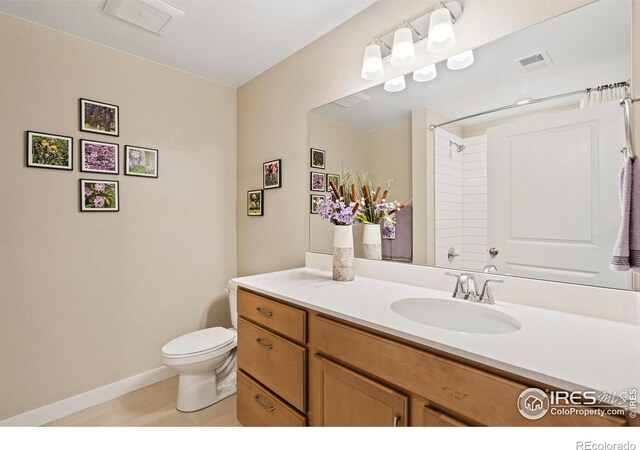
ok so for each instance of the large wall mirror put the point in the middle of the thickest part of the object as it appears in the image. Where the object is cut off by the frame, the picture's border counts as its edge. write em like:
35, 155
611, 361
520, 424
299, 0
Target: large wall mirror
530, 190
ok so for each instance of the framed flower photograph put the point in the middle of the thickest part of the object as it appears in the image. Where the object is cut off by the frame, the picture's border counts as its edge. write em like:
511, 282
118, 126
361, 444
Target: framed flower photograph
49, 151
98, 117
318, 181
140, 161
272, 174
255, 203
99, 157
318, 158
332, 177
314, 203
99, 196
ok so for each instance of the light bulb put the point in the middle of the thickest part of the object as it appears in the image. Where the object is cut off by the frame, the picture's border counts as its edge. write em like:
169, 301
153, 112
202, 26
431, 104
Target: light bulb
441, 35
372, 68
426, 73
461, 60
403, 53
395, 84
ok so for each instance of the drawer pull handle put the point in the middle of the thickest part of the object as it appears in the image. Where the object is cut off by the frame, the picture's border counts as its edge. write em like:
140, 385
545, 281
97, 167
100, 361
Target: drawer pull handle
264, 343
265, 312
396, 420
269, 408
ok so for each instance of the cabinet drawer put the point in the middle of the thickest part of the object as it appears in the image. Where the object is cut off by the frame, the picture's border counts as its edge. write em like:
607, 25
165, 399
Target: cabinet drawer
483, 397
433, 418
258, 408
275, 362
281, 318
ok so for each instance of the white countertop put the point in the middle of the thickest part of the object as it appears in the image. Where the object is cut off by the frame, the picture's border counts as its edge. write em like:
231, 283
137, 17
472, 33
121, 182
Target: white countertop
564, 350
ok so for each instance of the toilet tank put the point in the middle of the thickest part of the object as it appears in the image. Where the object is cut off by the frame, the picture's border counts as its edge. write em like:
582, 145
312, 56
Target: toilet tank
233, 303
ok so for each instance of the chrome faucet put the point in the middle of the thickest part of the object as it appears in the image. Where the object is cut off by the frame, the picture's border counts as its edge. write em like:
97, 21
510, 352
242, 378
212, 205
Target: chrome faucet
466, 288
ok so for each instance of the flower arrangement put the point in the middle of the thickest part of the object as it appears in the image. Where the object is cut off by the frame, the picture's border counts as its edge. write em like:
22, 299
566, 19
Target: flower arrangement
341, 208
374, 208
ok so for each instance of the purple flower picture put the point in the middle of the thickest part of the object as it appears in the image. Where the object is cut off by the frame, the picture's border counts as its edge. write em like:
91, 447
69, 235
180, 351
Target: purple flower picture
272, 174
99, 196
141, 162
98, 117
318, 181
100, 157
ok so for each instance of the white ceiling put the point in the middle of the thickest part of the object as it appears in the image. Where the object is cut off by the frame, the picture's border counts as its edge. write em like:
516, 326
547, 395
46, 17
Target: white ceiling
228, 41
589, 47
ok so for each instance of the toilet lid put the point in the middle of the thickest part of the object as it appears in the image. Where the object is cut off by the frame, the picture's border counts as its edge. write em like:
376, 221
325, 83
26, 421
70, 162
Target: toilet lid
199, 341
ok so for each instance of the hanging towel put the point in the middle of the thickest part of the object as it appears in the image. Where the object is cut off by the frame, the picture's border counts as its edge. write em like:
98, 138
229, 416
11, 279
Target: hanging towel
634, 217
400, 248
621, 252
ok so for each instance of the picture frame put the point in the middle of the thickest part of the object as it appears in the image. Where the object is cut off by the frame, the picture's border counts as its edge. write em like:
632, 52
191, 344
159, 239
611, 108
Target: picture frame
318, 158
99, 157
49, 151
141, 161
335, 178
315, 198
272, 174
99, 117
99, 195
255, 202
318, 181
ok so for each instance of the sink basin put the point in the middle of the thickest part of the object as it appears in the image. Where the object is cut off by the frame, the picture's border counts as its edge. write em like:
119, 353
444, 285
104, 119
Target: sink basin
455, 315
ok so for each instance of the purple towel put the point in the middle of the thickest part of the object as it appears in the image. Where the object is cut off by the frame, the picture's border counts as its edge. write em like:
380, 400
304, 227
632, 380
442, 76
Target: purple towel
627, 233
400, 248
634, 217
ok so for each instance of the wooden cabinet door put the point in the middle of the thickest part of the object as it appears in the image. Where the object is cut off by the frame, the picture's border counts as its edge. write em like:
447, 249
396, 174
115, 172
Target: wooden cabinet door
353, 400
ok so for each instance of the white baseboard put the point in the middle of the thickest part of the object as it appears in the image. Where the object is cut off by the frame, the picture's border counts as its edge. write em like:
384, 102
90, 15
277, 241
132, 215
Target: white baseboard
70, 405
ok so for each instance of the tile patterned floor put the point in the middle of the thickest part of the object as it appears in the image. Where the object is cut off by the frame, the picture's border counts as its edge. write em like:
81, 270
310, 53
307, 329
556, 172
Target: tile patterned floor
154, 405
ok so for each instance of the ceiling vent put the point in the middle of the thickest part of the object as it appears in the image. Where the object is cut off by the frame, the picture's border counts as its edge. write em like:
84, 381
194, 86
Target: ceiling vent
352, 100
535, 61
152, 15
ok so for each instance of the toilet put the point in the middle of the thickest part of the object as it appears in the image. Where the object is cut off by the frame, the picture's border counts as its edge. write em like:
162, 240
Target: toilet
206, 362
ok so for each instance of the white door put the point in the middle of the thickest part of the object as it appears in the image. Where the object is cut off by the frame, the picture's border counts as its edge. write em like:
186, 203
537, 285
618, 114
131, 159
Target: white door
553, 210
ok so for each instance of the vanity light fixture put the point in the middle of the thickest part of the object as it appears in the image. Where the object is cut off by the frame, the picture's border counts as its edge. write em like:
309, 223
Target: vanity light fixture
426, 73
395, 84
372, 67
441, 37
403, 53
461, 60
441, 34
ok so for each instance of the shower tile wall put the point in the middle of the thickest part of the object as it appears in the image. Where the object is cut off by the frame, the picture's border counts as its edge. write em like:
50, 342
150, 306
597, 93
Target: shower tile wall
461, 201
474, 203
448, 179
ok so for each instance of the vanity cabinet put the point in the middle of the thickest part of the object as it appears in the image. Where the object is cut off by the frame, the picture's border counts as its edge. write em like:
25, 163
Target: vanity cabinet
351, 399
300, 367
272, 362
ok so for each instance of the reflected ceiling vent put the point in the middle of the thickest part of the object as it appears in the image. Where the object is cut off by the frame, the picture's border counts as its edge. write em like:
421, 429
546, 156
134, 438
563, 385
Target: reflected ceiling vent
352, 100
536, 61
152, 15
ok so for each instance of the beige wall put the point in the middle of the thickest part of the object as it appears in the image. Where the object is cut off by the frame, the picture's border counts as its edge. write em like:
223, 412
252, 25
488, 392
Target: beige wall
273, 110
87, 299
389, 158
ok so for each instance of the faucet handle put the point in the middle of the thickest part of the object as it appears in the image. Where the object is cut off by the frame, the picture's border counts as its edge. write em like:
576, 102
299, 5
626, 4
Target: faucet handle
486, 296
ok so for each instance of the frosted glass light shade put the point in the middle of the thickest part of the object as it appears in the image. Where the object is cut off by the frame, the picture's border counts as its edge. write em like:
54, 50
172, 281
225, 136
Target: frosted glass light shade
426, 73
395, 84
372, 67
461, 60
403, 53
441, 35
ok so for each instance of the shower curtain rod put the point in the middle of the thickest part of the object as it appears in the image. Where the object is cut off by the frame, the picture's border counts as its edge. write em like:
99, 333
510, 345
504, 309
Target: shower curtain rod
530, 102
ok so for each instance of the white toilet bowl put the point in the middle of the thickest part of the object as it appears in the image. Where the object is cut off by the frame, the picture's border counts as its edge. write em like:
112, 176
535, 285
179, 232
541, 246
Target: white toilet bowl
206, 362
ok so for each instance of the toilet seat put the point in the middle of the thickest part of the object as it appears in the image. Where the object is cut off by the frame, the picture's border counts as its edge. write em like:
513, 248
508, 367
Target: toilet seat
199, 343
